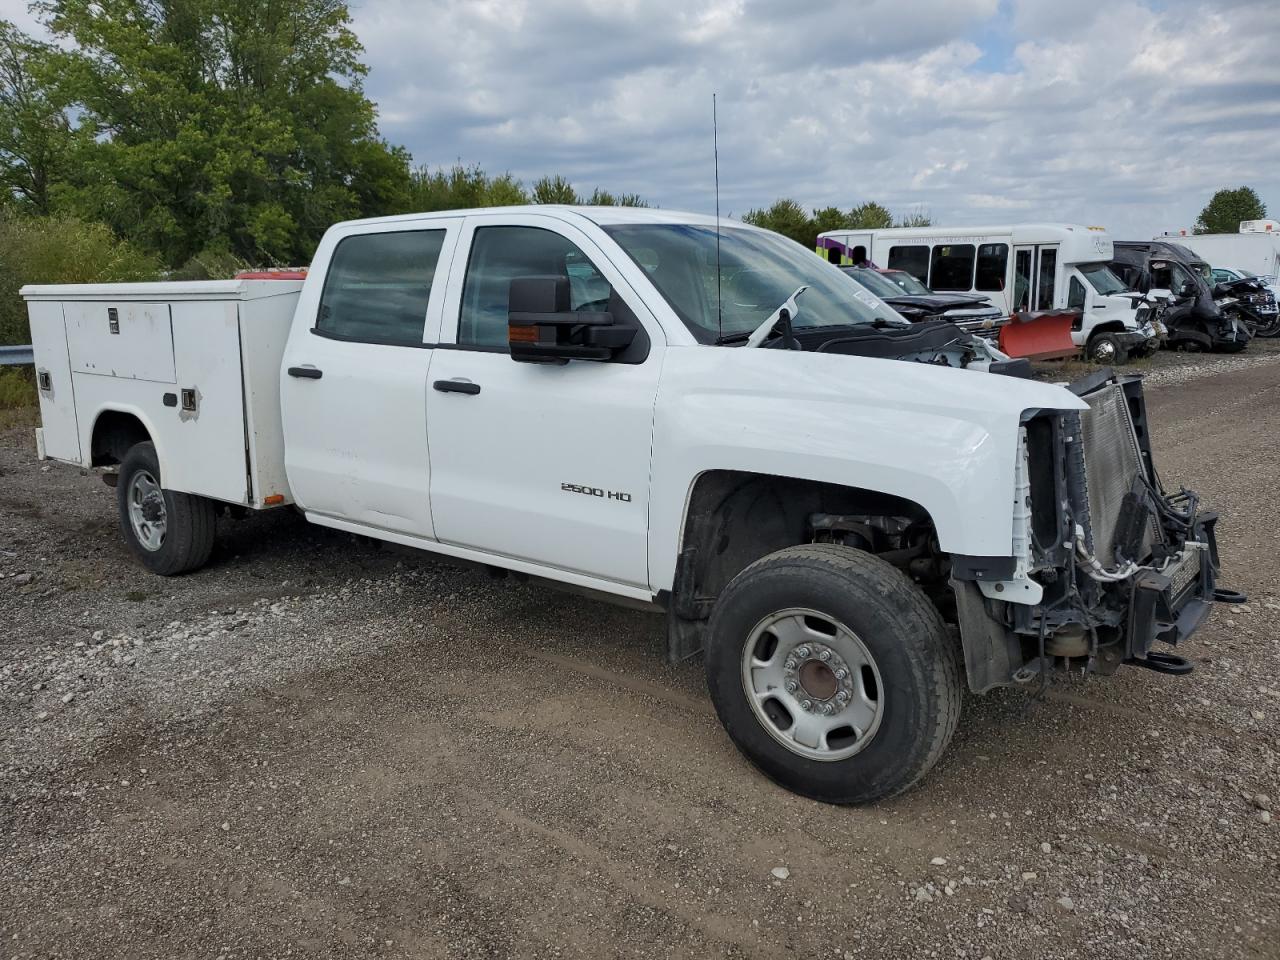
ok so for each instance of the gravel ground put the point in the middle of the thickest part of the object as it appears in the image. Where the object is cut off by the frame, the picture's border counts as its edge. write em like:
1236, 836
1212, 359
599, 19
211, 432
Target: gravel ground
316, 747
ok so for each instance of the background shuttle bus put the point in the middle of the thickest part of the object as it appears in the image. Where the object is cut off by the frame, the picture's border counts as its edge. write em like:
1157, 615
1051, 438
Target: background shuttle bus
1022, 268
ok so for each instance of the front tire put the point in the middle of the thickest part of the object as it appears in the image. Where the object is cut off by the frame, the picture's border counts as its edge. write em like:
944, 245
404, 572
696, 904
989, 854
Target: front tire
833, 673
1107, 350
169, 532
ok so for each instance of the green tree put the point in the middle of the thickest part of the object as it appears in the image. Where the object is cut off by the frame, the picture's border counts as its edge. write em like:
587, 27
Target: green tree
59, 249
1223, 213
870, 216
222, 124
36, 136
787, 218
554, 190
918, 217
829, 218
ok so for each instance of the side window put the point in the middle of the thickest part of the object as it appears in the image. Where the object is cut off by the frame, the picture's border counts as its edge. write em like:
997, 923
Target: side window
1045, 284
914, 260
501, 254
1075, 294
951, 267
993, 261
378, 286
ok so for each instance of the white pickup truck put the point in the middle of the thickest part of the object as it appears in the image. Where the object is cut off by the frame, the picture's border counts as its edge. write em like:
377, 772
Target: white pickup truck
850, 515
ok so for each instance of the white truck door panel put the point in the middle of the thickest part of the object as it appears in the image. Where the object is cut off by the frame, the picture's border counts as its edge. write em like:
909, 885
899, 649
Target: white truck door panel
544, 463
60, 431
129, 340
354, 378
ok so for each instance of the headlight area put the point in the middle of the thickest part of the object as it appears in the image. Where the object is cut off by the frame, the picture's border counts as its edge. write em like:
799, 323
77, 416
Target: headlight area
1107, 564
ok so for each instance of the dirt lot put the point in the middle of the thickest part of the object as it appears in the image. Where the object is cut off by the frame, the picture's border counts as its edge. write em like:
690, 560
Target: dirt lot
319, 748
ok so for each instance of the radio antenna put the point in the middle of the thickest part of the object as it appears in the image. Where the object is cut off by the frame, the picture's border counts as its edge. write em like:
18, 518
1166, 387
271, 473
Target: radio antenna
715, 153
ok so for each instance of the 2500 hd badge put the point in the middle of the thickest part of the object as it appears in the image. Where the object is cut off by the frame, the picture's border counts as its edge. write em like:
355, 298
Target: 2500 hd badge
596, 492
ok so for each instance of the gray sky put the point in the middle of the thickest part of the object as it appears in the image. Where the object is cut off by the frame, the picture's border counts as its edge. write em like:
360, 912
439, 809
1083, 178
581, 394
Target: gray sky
1126, 114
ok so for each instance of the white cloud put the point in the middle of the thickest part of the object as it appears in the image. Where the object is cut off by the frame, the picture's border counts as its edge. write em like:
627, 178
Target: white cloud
1129, 113
1117, 113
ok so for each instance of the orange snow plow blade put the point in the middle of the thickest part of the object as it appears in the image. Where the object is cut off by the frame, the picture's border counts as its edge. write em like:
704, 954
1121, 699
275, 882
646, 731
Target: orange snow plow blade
1043, 335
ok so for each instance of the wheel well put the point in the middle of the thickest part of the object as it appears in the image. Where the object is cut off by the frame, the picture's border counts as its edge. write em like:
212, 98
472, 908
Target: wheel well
114, 433
735, 517
1109, 326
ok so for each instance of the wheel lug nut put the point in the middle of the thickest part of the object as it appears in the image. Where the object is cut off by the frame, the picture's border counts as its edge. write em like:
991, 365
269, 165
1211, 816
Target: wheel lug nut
790, 664
791, 686
825, 655
805, 704
841, 673
802, 651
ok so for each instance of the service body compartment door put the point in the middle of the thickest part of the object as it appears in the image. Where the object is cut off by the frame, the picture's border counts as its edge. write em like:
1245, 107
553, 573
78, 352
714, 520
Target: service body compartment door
132, 341
53, 371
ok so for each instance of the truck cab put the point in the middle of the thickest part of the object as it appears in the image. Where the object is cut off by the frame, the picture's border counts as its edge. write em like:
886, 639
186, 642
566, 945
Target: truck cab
849, 516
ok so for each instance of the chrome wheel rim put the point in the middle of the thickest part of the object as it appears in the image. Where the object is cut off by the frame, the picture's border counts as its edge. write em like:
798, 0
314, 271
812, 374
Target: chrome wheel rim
147, 513
812, 684
1103, 351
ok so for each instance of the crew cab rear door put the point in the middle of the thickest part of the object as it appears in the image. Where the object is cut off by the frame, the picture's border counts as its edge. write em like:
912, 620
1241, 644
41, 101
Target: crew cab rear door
541, 462
354, 380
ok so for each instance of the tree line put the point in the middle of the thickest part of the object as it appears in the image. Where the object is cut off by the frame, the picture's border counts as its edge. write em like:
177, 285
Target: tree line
790, 219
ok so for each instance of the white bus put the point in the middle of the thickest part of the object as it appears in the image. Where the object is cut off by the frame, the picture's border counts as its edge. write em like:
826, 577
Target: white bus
1021, 267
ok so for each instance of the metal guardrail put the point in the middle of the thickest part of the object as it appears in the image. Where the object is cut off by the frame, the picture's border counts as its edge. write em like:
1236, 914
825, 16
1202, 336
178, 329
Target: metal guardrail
17, 356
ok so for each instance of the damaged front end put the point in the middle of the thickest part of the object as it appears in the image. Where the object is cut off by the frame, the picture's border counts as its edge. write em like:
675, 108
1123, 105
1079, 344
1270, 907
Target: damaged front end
1105, 561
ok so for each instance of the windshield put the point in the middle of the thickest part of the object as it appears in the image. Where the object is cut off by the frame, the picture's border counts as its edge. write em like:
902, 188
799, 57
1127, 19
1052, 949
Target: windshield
907, 282
758, 272
1102, 278
874, 281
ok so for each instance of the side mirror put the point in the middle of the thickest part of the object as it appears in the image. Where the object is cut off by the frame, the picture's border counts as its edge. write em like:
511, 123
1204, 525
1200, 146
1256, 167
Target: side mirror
541, 327
1187, 290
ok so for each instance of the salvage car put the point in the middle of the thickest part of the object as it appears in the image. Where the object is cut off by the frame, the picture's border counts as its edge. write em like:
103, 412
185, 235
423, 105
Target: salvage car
851, 517
972, 313
1194, 319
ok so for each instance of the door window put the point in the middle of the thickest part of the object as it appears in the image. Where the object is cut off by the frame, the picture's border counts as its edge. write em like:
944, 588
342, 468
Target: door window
993, 260
1075, 294
951, 267
1022, 280
914, 260
1048, 273
378, 286
500, 255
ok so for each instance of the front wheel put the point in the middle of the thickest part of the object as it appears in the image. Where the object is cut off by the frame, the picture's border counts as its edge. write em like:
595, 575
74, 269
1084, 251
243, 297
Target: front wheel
169, 532
1106, 349
833, 673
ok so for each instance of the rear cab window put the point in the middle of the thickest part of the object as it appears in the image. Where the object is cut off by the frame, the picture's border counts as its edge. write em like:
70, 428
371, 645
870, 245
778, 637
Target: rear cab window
378, 287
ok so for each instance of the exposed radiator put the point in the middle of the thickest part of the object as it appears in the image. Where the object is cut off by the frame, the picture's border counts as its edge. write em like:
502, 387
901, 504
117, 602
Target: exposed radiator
1112, 461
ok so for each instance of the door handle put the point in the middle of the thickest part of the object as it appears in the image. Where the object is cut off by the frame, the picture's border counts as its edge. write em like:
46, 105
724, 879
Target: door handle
306, 373
457, 386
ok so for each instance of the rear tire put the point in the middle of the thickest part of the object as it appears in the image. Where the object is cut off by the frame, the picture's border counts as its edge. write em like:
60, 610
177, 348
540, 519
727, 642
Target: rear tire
811, 608
169, 532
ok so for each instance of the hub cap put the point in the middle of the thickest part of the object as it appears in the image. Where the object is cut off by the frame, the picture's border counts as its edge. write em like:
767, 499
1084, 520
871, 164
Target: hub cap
812, 684
1104, 350
146, 510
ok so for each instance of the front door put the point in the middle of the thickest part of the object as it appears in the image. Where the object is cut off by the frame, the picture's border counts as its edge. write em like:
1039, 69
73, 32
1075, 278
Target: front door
354, 386
547, 463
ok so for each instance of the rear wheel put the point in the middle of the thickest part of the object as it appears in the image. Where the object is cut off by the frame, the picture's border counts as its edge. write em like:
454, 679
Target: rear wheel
833, 673
169, 532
